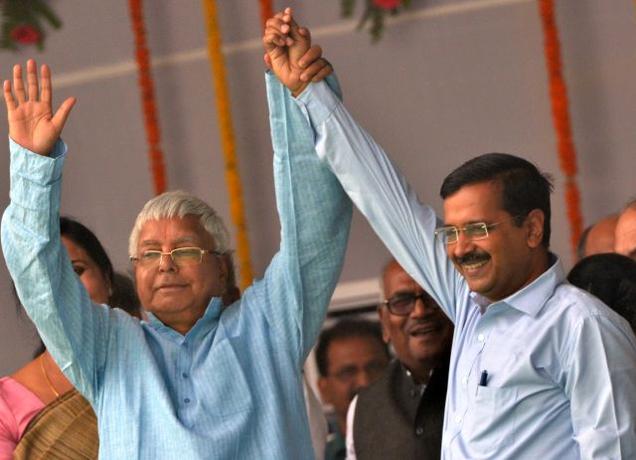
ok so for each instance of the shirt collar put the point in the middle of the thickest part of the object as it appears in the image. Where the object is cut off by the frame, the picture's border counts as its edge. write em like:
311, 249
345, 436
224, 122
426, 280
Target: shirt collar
531, 298
200, 328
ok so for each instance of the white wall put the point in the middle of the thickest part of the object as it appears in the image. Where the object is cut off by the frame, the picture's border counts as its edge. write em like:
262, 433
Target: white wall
450, 80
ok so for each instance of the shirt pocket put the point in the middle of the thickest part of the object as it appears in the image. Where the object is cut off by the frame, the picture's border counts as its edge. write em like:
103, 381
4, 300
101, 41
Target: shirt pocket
489, 423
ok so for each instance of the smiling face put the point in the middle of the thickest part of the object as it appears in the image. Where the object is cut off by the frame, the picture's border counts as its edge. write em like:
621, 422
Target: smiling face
423, 337
178, 295
95, 282
509, 258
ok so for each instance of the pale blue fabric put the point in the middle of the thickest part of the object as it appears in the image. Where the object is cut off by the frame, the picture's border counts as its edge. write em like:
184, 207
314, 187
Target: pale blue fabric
561, 365
231, 387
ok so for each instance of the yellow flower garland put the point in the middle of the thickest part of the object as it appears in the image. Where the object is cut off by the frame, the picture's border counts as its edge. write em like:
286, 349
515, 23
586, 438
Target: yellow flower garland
232, 177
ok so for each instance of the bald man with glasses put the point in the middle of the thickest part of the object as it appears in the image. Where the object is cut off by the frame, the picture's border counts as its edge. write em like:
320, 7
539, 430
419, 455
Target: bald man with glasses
401, 414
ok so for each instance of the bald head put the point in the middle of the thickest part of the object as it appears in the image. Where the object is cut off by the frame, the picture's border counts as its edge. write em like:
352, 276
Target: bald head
625, 233
600, 237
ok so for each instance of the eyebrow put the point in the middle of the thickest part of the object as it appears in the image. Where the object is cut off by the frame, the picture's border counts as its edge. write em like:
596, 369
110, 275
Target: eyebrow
183, 239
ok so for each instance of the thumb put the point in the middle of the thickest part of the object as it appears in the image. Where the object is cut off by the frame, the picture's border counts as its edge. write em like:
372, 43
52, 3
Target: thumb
59, 119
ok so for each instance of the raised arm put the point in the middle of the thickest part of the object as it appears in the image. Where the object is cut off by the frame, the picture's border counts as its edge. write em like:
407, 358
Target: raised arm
373, 183
315, 216
46, 283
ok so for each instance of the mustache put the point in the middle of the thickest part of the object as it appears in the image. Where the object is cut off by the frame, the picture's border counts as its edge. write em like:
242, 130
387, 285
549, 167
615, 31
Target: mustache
472, 257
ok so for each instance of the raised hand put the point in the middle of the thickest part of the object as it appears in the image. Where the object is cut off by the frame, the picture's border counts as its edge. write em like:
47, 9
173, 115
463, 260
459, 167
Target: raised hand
289, 54
31, 120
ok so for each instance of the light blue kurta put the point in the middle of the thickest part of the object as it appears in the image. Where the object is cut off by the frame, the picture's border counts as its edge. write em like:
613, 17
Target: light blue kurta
231, 387
561, 365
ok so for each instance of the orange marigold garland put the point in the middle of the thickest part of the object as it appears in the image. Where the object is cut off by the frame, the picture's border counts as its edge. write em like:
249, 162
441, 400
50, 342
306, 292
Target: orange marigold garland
226, 130
561, 120
149, 106
267, 10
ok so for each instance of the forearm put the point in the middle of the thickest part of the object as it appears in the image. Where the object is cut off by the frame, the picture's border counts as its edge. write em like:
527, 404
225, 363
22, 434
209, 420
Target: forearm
314, 211
46, 284
382, 194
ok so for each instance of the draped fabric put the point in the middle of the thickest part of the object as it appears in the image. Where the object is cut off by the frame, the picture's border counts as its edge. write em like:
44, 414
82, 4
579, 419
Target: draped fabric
66, 429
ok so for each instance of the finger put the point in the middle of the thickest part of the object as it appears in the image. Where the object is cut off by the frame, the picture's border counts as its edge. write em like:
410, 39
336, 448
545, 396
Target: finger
268, 61
8, 96
45, 85
18, 84
32, 80
324, 73
313, 54
275, 23
59, 119
312, 70
273, 39
304, 31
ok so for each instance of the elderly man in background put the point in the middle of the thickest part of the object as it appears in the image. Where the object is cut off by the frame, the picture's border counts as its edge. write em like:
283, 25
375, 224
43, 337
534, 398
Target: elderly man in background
598, 238
402, 413
195, 380
539, 369
350, 355
625, 236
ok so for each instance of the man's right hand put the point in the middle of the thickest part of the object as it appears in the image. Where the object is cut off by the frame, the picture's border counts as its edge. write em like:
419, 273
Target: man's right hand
31, 120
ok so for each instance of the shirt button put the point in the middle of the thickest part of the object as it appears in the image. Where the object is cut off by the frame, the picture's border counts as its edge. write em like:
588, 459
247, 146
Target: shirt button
186, 400
465, 381
481, 337
419, 431
184, 375
458, 419
413, 393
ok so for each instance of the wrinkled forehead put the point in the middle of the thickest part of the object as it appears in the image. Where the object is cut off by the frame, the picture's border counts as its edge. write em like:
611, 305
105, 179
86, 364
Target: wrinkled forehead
478, 202
175, 231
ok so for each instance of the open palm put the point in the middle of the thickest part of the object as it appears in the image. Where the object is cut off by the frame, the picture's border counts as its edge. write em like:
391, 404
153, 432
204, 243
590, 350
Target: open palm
32, 123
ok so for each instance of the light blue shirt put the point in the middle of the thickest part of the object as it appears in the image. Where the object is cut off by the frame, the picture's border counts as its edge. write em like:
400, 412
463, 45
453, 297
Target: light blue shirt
231, 388
561, 365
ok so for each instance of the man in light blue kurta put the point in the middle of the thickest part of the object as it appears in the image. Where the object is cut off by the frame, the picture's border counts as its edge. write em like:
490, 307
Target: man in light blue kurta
230, 386
539, 368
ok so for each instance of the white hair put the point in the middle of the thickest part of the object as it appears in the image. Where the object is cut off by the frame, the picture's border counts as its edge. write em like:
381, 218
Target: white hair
178, 203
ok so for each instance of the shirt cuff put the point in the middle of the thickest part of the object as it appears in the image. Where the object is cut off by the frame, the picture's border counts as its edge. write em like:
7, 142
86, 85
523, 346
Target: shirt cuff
318, 101
34, 167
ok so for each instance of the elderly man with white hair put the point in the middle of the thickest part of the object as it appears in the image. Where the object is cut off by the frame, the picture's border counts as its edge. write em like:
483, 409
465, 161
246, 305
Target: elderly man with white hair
196, 380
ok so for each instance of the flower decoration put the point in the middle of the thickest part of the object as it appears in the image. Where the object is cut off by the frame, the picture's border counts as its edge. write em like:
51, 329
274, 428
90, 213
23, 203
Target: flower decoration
23, 23
375, 12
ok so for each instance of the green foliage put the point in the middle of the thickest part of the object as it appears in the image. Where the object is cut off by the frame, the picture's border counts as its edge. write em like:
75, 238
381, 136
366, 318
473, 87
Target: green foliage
24, 23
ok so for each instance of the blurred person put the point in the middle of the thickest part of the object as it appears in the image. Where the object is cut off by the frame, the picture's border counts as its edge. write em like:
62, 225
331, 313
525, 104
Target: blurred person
524, 338
401, 415
610, 277
598, 238
625, 234
203, 380
37, 403
350, 355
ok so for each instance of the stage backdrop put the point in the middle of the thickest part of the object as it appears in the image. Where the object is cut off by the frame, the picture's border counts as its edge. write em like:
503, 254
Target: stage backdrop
449, 80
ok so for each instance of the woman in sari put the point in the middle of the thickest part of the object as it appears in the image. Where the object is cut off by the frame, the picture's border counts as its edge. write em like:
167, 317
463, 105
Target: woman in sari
41, 414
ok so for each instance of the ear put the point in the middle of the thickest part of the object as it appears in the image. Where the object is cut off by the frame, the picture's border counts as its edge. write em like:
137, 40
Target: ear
383, 313
534, 222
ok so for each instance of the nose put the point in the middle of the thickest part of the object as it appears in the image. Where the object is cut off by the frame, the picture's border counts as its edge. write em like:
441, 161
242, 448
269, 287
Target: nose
363, 379
166, 264
462, 246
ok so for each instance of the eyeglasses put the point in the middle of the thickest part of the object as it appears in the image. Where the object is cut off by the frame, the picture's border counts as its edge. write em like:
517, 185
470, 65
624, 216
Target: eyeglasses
180, 256
403, 304
475, 231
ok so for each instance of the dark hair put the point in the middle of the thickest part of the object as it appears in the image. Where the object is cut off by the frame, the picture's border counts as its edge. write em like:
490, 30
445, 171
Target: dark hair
86, 239
124, 295
345, 329
524, 187
610, 277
